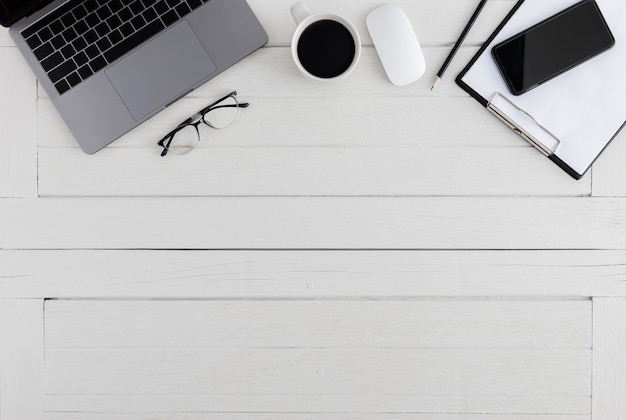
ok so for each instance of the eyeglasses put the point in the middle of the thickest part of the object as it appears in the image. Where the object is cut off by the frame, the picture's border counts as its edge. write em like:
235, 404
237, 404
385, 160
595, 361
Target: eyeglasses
186, 136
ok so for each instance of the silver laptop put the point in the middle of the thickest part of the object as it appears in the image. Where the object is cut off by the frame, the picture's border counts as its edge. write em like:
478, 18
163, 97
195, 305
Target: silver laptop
109, 65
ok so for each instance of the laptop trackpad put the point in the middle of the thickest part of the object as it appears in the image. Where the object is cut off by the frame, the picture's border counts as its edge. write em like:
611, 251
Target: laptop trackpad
161, 71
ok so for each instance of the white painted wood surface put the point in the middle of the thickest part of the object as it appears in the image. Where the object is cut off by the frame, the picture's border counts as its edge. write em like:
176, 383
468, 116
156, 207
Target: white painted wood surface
21, 359
609, 358
310, 274
347, 251
282, 356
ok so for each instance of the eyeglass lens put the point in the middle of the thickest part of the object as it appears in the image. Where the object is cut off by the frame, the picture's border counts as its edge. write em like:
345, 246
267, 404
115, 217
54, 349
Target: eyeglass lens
185, 140
222, 114
219, 116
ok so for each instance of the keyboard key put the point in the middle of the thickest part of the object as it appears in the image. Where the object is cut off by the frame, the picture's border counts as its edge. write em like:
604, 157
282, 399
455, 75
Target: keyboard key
92, 20
91, 36
169, 18
116, 5
194, 4
115, 37
56, 26
79, 12
85, 71
45, 34
182, 9
81, 27
98, 64
52, 61
92, 52
43, 51
62, 87
68, 51
68, 19
69, 34
136, 7
73, 79
161, 7
102, 29
81, 58
149, 15
91, 5
103, 44
57, 42
61, 71
125, 14
104, 12
138, 22
79, 44
34, 41
114, 22
127, 29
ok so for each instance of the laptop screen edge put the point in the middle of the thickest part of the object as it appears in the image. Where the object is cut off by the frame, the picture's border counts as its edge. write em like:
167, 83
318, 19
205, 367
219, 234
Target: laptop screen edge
13, 10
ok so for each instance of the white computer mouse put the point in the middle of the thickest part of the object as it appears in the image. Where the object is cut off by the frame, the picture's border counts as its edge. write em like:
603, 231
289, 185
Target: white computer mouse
396, 44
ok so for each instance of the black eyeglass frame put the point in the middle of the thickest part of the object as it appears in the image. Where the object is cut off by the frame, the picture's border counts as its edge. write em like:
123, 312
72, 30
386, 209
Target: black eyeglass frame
198, 118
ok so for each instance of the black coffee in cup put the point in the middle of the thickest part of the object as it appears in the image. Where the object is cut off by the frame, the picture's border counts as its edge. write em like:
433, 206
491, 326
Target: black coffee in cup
326, 49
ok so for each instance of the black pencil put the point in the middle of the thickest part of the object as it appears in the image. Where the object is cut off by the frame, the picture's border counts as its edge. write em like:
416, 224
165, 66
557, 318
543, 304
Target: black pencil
458, 43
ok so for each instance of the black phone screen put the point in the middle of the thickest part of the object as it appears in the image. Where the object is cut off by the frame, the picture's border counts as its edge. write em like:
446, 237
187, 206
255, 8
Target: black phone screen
553, 46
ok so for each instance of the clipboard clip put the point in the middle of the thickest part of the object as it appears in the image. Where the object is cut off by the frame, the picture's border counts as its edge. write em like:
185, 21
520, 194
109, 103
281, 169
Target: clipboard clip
523, 124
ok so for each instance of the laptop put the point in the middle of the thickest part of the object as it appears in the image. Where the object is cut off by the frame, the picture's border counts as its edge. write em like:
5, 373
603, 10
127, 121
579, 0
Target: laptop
109, 65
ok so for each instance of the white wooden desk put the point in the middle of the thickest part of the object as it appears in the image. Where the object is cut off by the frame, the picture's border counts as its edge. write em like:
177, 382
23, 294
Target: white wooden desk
346, 251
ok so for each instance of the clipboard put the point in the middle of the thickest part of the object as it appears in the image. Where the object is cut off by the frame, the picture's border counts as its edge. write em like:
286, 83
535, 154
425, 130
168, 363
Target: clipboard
570, 119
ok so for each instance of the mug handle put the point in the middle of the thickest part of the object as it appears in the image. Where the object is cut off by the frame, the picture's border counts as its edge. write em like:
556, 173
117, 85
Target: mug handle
299, 12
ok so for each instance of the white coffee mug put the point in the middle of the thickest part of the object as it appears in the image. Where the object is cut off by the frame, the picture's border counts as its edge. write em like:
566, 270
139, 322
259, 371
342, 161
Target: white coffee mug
304, 19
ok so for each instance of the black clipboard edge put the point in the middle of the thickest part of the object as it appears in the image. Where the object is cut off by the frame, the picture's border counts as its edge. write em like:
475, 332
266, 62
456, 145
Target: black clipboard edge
485, 103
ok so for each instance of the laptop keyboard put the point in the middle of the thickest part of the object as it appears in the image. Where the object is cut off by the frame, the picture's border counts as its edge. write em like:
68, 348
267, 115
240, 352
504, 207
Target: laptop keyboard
82, 37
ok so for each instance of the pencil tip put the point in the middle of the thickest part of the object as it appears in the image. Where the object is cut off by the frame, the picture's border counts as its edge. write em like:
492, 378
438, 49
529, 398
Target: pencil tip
435, 82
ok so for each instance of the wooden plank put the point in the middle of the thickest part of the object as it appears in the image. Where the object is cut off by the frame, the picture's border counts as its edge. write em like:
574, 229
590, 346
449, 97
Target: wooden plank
301, 416
364, 364
21, 359
321, 371
314, 223
5, 39
310, 274
609, 358
609, 179
325, 171
301, 324
18, 116
431, 406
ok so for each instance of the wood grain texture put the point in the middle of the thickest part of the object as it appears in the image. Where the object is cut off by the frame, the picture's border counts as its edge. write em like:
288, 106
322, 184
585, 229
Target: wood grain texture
303, 171
609, 177
18, 114
315, 223
300, 416
305, 324
21, 359
266, 357
310, 274
5, 39
473, 407
609, 358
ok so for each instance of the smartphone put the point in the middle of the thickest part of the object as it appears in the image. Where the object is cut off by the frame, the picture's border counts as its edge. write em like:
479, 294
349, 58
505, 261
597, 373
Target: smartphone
553, 46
